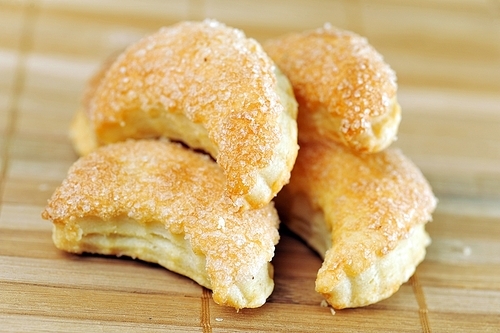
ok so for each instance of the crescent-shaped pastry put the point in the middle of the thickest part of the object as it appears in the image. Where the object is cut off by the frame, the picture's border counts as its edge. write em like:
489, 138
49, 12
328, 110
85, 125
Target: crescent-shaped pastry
364, 214
161, 202
345, 90
209, 86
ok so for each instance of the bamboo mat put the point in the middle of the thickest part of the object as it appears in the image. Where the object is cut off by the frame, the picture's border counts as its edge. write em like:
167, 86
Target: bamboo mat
447, 57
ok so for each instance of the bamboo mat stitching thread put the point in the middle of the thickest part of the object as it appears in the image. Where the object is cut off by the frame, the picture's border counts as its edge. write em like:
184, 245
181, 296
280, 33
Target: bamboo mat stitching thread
422, 306
25, 45
205, 311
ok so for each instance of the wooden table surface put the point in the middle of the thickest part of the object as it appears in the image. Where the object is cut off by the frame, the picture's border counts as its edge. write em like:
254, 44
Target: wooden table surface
447, 57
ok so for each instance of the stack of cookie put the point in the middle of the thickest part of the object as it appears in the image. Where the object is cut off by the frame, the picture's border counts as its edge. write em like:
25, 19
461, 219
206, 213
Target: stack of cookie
189, 134
362, 206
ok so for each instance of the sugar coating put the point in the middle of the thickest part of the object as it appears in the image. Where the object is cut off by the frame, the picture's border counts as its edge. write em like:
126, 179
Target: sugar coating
213, 75
370, 202
159, 181
340, 81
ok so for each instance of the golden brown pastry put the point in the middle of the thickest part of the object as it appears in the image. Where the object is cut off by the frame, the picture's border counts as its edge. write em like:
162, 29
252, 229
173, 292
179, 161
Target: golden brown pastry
345, 90
161, 202
209, 86
364, 214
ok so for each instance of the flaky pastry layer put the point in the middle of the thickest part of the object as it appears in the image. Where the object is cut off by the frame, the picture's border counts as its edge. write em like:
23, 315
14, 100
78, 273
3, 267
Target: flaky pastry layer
161, 202
364, 214
209, 86
345, 90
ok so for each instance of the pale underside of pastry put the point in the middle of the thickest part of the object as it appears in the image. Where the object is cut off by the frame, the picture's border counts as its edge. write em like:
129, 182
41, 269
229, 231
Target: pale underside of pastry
208, 86
161, 202
365, 214
345, 90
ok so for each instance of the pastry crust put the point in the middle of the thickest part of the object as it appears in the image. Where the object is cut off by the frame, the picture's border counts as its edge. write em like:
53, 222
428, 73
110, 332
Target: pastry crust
364, 214
345, 90
161, 202
209, 86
